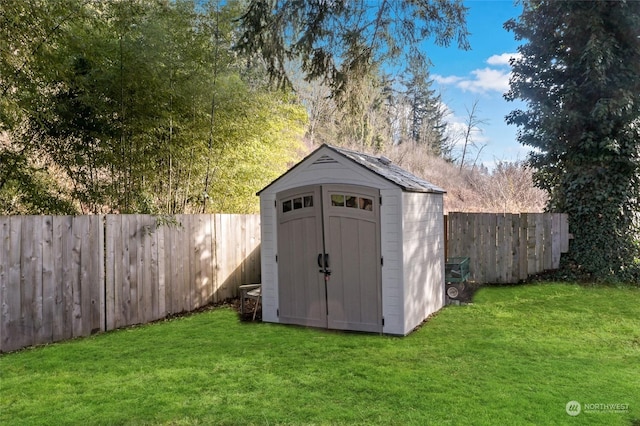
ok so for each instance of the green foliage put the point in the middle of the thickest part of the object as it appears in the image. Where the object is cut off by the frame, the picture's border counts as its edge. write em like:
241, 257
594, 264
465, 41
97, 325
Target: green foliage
130, 104
257, 142
26, 189
522, 352
425, 119
579, 74
338, 42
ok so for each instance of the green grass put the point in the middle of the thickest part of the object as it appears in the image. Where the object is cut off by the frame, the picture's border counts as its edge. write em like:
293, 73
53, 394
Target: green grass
515, 356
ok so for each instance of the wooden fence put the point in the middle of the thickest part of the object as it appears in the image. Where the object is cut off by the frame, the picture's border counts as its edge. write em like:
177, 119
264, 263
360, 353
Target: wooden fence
63, 277
507, 248
50, 271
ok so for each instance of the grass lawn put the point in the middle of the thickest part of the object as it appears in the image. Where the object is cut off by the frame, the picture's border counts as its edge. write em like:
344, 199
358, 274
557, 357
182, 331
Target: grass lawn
517, 355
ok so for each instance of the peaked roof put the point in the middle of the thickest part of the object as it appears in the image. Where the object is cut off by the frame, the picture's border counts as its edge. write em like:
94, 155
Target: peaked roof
381, 166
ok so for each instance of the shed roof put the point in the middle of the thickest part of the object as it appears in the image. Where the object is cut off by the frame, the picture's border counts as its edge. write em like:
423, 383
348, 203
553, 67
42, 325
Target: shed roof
381, 166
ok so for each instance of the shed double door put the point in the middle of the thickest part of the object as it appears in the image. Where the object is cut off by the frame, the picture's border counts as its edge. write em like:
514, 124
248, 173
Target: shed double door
329, 263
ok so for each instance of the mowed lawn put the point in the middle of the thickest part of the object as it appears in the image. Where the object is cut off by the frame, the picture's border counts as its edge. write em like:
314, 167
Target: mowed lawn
517, 355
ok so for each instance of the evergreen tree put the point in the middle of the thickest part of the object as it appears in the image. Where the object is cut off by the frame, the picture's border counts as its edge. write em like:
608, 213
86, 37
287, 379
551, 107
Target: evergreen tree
343, 40
579, 74
425, 112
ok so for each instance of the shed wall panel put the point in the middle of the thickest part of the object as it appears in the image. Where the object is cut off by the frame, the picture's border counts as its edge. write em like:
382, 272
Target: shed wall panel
391, 248
423, 256
268, 249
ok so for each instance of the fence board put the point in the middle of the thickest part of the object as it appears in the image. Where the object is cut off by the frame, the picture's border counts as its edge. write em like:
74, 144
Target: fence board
120, 277
490, 221
58, 247
189, 270
110, 255
175, 272
198, 249
78, 225
162, 272
4, 281
68, 277
149, 290
507, 247
154, 269
515, 248
254, 243
15, 295
555, 240
44, 288
540, 243
469, 242
502, 257
28, 280
547, 260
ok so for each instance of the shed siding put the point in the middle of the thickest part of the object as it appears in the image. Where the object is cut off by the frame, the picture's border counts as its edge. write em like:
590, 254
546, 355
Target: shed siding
411, 236
391, 244
268, 251
423, 256
343, 171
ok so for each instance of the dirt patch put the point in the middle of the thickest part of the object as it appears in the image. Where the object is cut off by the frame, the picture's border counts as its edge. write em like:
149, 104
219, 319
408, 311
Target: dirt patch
465, 290
249, 306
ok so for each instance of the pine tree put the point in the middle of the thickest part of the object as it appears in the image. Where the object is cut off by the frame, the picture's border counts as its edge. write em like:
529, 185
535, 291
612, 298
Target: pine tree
579, 74
426, 114
340, 41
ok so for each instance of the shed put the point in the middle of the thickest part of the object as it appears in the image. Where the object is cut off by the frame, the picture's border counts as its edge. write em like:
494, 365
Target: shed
351, 241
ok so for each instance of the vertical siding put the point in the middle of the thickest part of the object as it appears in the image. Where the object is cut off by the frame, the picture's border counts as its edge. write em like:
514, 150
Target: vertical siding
269, 247
423, 256
391, 248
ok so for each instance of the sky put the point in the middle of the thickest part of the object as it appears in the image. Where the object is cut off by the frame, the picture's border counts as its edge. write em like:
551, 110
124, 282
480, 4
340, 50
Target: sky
481, 74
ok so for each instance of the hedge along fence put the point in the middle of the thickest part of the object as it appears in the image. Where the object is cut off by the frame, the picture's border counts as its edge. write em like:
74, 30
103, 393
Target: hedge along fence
507, 248
69, 276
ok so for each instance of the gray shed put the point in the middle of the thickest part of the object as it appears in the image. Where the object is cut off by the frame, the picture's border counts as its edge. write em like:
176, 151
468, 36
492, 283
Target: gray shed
351, 241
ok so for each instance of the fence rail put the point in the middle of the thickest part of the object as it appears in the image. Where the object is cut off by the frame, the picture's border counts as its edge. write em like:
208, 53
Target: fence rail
63, 277
507, 248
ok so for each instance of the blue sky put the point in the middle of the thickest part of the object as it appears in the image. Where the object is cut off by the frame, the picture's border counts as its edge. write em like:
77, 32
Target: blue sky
481, 74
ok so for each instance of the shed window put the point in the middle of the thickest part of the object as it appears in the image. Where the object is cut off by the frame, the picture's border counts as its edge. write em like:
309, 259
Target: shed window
365, 203
352, 201
297, 203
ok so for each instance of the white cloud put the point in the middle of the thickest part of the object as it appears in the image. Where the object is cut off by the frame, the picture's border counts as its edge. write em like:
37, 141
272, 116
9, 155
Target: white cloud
482, 81
502, 59
452, 79
485, 80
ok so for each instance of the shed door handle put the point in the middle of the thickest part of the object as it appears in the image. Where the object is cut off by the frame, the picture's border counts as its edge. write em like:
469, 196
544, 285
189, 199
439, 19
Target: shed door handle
323, 261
